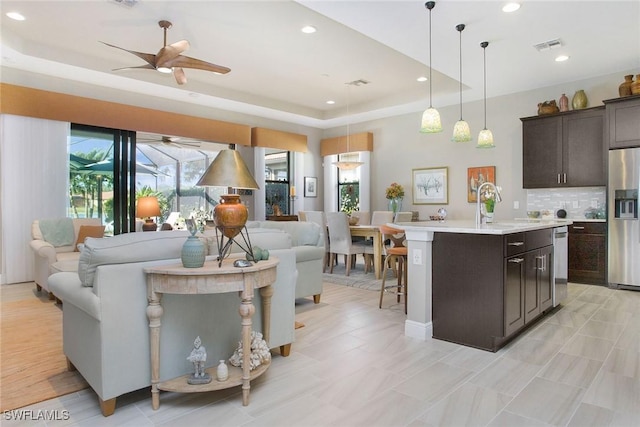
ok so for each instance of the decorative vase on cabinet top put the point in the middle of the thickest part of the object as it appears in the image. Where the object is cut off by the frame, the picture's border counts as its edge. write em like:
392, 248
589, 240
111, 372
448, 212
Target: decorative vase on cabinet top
579, 100
635, 86
625, 88
564, 103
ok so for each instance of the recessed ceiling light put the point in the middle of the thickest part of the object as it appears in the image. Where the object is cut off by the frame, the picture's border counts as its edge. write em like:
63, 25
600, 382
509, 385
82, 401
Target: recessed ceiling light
561, 58
331, 102
308, 29
510, 7
421, 79
17, 16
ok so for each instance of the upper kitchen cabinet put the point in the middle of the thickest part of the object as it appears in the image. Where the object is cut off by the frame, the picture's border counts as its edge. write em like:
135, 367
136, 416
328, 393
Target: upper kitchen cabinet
564, 150
623, 122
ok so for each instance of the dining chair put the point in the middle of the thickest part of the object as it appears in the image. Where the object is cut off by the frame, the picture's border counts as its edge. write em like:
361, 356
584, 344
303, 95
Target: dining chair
395, 253
319, 217
364, 217
381, 217
340, 240
403, 217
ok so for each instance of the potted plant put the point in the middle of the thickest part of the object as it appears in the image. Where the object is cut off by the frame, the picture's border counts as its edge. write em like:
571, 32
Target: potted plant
489, 205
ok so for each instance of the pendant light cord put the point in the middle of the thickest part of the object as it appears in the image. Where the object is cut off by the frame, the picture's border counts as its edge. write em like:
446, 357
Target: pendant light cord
460, 27
484, 60
430, 94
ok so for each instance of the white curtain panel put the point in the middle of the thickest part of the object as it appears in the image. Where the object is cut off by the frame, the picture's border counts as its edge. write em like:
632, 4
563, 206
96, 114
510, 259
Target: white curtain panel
33, 185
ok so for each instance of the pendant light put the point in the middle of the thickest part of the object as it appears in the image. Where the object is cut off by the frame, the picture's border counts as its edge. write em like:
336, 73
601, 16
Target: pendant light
485, 137
344, 164
430, 118
461, 131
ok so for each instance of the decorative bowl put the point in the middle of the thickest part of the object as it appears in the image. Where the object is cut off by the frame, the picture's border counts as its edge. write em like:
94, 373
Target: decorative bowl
533, 214
436, 217
353, 220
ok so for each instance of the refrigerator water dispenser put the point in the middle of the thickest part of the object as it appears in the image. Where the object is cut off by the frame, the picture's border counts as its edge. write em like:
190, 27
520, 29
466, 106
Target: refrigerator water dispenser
626, 204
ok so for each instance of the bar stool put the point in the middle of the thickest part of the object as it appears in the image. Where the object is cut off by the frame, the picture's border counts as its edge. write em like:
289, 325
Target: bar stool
396, 252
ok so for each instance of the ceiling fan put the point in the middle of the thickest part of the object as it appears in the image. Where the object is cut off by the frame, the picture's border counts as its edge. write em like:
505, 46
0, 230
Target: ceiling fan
172, 141
169, 58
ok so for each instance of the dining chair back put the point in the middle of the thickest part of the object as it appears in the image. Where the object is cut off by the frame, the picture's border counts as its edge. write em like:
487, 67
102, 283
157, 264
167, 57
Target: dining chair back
403, 217
381, 217
340, 240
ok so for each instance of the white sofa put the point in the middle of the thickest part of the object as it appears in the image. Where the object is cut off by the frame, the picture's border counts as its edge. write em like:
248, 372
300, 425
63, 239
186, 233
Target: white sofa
308, 242
46, 255
106, 329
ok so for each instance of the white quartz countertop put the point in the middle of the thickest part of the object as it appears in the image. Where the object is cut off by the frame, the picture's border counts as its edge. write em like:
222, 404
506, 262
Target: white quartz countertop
469, 226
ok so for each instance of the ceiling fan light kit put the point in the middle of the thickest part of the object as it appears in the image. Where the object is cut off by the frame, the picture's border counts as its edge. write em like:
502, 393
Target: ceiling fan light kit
431, 117
170, 59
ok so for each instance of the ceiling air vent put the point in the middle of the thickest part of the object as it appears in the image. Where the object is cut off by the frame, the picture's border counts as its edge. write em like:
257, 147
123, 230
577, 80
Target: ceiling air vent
551, 44
358, 82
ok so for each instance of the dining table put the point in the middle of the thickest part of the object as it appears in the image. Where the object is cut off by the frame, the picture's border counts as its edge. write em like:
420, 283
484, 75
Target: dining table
373, 232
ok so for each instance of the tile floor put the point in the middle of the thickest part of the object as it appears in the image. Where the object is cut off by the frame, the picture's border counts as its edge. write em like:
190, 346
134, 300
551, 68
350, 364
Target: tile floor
351, 365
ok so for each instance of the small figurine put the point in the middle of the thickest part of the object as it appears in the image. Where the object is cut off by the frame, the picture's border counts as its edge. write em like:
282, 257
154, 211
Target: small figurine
548, 107
198, 357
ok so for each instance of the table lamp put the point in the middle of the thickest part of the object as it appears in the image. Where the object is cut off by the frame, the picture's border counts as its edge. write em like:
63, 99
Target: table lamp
146, 208
230, 215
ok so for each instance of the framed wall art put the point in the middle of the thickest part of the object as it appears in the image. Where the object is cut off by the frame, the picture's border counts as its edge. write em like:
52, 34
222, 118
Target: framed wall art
430, 186
476, 177
310, 186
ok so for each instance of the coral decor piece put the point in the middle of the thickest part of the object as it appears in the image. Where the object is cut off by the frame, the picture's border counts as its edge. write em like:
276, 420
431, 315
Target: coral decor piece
259, 352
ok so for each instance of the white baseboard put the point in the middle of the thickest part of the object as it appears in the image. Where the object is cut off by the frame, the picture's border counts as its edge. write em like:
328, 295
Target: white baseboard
422, 331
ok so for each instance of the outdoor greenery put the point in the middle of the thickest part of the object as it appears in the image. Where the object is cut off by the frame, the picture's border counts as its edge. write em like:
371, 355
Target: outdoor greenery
85, 187
349, 197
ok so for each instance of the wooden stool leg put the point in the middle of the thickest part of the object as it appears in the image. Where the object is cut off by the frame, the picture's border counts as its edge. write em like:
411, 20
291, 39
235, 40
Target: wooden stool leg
384, 278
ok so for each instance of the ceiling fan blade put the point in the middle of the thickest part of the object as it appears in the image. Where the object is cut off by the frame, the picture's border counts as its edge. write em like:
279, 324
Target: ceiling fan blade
187, 62
146, 67
178, 73
148, 57
170, 52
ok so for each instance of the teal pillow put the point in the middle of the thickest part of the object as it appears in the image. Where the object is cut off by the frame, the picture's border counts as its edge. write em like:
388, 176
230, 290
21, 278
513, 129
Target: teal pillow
58, 231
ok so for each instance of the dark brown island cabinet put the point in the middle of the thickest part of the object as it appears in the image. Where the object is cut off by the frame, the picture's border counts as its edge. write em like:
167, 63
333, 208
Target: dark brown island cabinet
588, 253
489, 288
565, 149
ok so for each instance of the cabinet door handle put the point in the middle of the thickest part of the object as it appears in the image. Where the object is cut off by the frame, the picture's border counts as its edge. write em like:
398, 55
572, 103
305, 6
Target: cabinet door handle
543, 263
515, 243
558, 178
577, 227
516, 260
564, 177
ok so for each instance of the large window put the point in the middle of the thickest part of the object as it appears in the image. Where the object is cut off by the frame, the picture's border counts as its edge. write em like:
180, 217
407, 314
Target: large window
100, 187
277, 188
348, 185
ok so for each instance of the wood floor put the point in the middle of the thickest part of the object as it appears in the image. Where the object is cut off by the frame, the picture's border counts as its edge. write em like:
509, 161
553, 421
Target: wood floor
351, 365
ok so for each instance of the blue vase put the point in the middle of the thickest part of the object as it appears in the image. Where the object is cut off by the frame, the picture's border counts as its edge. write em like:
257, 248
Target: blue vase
395, 205
193, 253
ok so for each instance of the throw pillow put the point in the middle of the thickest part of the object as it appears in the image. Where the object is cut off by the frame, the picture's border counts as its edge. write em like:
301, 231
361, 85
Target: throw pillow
88, 231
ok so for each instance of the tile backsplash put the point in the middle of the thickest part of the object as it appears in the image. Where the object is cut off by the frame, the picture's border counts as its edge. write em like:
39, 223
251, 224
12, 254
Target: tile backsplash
574, 200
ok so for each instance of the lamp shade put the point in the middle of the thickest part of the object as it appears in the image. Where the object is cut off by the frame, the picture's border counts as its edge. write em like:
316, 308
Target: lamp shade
147, 207
485, 139
461, 132
228, 170
431, 121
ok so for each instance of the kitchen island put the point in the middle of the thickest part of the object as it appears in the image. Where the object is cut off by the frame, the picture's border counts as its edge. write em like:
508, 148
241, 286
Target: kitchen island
478, 285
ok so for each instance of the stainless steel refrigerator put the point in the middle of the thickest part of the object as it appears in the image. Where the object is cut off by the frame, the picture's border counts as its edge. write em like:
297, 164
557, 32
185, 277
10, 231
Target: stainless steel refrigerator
624, 227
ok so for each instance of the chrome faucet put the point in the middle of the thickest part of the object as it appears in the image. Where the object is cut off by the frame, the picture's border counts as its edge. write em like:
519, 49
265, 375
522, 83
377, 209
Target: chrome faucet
479, 196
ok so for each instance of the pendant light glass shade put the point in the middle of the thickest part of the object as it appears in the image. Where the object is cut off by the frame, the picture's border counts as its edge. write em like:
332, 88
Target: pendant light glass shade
461, 131
485, 137
431, 117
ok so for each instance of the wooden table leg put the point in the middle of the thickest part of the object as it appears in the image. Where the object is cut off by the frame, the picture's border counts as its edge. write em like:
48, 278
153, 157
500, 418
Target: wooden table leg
154, 313
266, 293
246, 312
377, 253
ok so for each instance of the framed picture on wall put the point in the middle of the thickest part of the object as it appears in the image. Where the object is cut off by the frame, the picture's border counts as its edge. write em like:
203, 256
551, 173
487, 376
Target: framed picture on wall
310, 186
476, 177
430, 186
